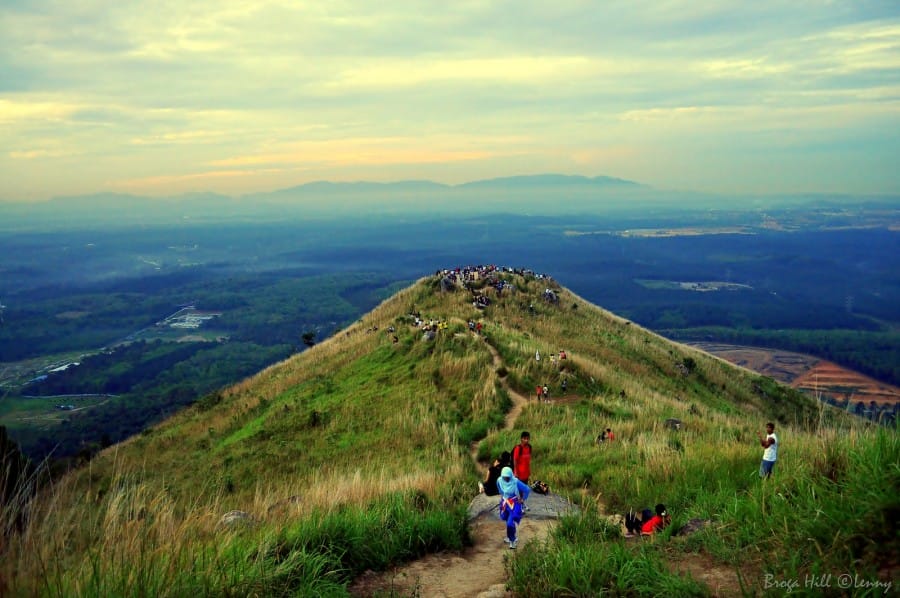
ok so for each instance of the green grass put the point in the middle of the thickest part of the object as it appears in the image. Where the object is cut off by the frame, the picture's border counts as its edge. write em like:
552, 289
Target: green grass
585, 557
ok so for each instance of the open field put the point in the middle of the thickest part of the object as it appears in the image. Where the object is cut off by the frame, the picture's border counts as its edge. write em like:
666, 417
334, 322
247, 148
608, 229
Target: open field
699, 286
807, 373
650, 233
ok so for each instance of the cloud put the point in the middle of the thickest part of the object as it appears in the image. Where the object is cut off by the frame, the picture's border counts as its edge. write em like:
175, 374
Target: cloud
361, 151
35, 154
351, 88
16, 111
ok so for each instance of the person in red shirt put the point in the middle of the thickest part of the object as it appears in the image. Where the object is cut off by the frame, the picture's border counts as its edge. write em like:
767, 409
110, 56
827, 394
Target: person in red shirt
521, 455
658, 522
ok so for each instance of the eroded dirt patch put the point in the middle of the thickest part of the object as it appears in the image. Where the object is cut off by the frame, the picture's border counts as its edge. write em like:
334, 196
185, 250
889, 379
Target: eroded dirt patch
721, 580
478, 571
807, 373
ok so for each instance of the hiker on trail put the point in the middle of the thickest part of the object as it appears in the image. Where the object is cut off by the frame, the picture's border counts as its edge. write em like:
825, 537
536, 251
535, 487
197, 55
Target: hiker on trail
489, 486
609, 435
770, 455
521, 455
513, 494
537, 355
646, 524
565, 384
546, 390
539, 390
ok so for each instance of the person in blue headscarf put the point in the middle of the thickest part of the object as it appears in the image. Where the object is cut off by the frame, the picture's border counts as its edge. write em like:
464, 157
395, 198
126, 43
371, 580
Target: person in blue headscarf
513, 494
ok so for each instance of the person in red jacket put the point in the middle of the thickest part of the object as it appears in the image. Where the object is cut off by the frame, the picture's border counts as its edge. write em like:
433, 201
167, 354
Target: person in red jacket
521, 455
657, 523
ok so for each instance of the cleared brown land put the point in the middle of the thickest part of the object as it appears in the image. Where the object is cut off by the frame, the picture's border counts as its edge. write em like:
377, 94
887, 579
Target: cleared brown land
807, 373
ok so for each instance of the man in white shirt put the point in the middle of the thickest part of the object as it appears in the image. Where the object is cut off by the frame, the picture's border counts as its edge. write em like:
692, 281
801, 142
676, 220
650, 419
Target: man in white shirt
770, 455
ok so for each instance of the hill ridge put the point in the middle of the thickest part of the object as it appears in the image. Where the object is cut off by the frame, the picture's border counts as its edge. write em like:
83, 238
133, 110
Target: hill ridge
355, 455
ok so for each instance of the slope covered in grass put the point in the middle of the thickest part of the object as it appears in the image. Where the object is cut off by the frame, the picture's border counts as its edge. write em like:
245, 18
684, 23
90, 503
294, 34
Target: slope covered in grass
354, 455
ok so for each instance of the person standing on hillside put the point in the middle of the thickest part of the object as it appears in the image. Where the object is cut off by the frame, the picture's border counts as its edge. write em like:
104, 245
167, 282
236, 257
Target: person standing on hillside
521, 455
770, 455
513, 494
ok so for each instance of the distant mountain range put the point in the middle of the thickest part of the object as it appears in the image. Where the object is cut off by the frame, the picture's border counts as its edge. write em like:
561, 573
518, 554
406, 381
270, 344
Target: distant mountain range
322, 199
541, 194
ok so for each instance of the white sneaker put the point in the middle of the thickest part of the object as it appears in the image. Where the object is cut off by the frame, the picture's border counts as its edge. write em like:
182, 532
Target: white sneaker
513, 544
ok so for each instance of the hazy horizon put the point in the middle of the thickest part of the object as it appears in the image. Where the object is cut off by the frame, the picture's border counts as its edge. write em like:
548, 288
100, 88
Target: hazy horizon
232, 97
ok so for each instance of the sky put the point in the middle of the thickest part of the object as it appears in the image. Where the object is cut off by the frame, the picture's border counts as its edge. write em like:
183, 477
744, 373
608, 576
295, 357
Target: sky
163, 97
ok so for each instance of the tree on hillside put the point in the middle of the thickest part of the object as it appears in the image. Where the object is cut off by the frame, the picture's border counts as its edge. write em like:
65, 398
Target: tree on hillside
309, 338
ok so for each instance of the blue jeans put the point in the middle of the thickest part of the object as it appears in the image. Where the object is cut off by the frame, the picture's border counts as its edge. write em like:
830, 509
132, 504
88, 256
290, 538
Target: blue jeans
765, 468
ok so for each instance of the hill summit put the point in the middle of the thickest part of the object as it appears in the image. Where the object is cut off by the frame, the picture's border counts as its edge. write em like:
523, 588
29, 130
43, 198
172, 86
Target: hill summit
357, 455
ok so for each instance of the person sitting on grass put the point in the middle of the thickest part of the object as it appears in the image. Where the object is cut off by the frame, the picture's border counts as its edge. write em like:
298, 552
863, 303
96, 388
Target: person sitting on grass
634, 521
658, 522
646, 523
489, 486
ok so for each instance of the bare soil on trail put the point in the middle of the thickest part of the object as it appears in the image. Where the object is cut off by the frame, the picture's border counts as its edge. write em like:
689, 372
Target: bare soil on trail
478, 571
720, 581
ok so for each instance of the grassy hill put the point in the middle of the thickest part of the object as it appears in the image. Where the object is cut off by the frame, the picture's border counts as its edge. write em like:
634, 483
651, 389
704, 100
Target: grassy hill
355, 455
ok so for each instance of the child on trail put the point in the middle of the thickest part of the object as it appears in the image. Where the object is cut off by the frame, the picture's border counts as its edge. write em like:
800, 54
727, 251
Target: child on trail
521, 455
539, 390
513, 494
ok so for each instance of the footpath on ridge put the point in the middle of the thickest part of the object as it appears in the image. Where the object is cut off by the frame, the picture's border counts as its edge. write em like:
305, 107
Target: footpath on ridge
477, 571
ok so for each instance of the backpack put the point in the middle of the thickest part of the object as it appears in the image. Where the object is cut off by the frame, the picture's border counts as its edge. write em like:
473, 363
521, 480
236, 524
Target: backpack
540, 487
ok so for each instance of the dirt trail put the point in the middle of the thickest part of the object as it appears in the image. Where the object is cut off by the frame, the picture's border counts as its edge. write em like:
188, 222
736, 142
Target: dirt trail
477, 571
480, 570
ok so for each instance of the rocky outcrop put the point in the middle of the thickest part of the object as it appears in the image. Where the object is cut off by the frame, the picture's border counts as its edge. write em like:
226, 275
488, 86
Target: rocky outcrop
540, 506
